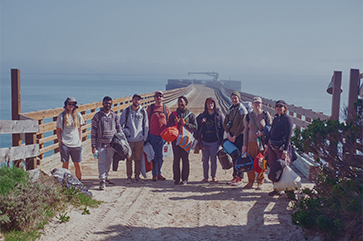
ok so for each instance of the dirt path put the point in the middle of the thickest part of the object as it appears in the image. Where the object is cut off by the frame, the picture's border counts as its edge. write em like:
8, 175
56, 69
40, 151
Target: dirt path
164, 211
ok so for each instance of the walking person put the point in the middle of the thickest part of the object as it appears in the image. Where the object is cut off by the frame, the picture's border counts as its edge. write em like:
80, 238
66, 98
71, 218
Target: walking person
279, 146
105, 124
69, 135
234, 127
134, 120
158, 114
181, 117
210, 129
255, 121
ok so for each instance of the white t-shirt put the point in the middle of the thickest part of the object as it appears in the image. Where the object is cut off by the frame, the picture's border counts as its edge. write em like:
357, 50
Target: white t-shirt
70, 135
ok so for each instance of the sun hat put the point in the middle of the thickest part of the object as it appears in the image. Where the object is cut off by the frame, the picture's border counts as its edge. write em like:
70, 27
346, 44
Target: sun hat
70, 99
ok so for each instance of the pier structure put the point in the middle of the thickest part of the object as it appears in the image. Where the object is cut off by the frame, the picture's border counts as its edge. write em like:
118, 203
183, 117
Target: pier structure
161, 209
48, 157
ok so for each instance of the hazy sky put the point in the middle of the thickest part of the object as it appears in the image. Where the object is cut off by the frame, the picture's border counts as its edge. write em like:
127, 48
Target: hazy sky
231, 37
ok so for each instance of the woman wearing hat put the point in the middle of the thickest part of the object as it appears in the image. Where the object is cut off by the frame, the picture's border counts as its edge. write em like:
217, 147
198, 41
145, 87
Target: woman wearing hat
255, 122
278, 146
69, 135
181, 117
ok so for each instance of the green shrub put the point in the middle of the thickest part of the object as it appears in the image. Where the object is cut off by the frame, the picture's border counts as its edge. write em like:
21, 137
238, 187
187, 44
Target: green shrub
25, 207
334, 205
10, 178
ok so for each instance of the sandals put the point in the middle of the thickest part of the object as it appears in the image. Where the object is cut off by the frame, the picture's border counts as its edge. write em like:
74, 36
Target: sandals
214, 180
205, 180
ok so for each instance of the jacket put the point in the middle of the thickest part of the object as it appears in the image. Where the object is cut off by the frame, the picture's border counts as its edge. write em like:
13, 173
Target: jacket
236, 114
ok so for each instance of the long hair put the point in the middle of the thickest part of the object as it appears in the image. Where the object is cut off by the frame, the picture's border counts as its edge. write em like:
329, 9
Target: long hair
67, 120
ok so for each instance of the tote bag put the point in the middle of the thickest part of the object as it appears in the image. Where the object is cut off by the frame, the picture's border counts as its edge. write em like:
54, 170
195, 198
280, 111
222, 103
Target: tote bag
289, 180
257, 167
185, 139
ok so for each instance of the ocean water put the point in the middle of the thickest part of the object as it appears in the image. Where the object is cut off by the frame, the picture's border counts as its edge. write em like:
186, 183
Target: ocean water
47, 91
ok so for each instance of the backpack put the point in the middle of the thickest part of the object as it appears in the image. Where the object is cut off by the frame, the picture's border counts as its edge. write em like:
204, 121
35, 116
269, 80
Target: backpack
231, 149
152, 106
143, 118
224, 159
247, 105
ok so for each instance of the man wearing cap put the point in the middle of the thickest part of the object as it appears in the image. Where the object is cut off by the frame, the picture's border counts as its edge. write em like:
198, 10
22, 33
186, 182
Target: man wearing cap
158, 114
234, 127
105, 124
134, 121
69, 135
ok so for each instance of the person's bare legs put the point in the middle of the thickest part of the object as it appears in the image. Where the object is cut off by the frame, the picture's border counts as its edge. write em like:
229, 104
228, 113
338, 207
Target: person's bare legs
77, 166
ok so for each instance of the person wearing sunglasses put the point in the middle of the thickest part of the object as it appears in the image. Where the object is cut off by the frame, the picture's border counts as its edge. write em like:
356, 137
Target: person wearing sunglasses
158, 114
279, 146
69, 135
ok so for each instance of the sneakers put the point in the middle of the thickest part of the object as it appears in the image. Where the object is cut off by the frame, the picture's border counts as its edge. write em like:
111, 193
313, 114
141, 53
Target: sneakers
102, 185
129, 180
138, 180
184, 182
232, 181
155, 178
109, 182
161, 178
238, 182
275, 193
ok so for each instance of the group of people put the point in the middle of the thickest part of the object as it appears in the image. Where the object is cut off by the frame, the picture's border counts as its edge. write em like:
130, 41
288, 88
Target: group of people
243, 128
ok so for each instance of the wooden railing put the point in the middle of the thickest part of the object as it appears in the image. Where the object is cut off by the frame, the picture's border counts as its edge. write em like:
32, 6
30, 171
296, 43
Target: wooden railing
301, 117
46, 135
16, 153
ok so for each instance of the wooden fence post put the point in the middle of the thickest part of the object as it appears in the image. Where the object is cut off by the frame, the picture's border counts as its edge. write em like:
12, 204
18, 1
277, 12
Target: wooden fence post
335, 105
31, 162
353, 92
15, 101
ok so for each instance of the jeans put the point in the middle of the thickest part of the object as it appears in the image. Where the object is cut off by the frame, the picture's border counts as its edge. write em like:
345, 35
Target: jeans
105, 156
157, 143
210, 151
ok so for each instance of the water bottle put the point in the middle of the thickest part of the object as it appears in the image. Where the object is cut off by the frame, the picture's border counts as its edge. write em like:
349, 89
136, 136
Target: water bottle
95, 155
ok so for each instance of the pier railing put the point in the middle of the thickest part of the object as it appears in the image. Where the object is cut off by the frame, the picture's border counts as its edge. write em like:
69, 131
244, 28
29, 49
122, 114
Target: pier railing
301, 117
46, 136
26, 128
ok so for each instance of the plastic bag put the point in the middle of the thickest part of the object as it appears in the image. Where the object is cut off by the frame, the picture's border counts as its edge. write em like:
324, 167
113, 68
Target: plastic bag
167, 150
289, 180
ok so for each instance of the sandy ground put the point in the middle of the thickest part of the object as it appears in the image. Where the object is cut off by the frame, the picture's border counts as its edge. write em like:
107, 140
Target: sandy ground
164, 211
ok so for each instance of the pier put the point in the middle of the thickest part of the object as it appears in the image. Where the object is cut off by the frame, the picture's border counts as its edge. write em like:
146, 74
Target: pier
160, 209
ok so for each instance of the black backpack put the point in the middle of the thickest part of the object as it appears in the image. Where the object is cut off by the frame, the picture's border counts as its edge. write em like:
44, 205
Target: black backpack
224, 159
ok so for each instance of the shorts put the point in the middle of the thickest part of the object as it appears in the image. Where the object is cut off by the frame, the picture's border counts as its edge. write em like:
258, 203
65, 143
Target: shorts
74, 152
